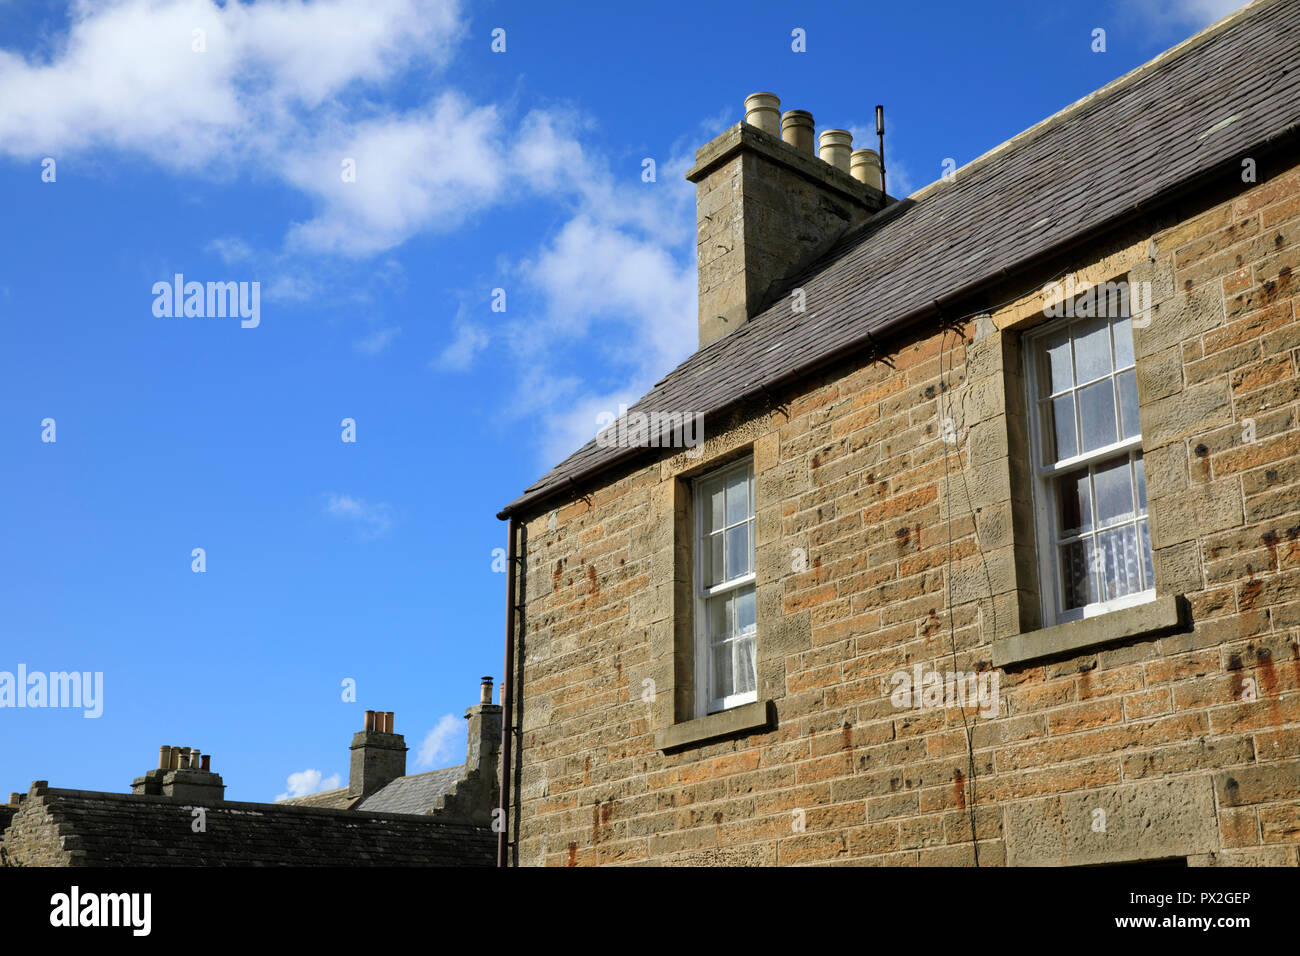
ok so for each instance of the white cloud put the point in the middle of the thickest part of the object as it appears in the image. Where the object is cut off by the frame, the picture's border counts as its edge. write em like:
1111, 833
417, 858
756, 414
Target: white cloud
371, 520
378, 340
1182, 13
442, 743
619, 278
127, 74
306, 782
421, 170
284, 88
290, 288
460, 354
231, 250
288, 90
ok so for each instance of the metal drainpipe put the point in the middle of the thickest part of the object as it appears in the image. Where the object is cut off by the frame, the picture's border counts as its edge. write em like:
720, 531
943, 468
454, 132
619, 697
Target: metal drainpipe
508, 702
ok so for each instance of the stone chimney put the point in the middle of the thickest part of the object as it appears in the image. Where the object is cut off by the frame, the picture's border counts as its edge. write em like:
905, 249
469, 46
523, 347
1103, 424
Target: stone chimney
378, 755
484, 732
183, 773
768, 205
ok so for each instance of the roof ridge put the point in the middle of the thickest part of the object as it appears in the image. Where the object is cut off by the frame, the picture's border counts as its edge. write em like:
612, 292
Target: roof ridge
1069, 111
852, 236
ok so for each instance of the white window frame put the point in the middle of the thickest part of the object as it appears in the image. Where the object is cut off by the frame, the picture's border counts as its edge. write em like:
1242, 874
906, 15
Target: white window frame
1045, 483
704, 703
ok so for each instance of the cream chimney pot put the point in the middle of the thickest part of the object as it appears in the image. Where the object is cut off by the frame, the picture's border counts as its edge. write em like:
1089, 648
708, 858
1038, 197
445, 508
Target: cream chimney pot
164, 757
864, 166
764, 111
797, 129
836, 145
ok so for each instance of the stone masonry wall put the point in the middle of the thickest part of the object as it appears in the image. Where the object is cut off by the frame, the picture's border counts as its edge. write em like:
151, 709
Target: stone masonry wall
1188, 738
34, 837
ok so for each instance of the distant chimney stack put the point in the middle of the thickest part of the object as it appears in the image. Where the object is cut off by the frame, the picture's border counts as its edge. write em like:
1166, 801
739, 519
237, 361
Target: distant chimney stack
484, 741
378, 755
183, 773
768, 206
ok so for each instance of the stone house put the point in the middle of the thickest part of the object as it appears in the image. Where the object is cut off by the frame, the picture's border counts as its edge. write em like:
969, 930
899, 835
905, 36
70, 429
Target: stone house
177, 814
990, 553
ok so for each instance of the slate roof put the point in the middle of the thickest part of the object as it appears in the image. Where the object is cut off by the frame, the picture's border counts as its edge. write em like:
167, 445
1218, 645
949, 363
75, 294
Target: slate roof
336, 799
115, 829
1122, 149
414, 793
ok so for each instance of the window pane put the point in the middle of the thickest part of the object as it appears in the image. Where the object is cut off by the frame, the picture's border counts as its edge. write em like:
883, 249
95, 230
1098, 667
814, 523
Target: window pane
1062, 428
1123, 343
1097, 414
744, 665
1056, 375
1149, 576
1074, 497
718, 610
1091, 350
712, 495
712, 560
745, 619
738, 497
1139, 466
1128, 402
722, 679
1114, 484
738, 553
1119, 561
1078, 574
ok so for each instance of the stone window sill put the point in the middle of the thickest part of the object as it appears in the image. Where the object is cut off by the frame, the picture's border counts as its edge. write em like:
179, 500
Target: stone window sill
760, 715
1162, 614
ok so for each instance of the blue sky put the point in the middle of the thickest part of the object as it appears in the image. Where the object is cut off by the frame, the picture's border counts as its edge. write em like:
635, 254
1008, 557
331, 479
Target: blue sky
475, 170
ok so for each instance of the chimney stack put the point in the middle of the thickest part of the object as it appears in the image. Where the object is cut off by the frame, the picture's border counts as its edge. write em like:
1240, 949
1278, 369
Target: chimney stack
484, 732
378, 755
183, 774
768, 205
